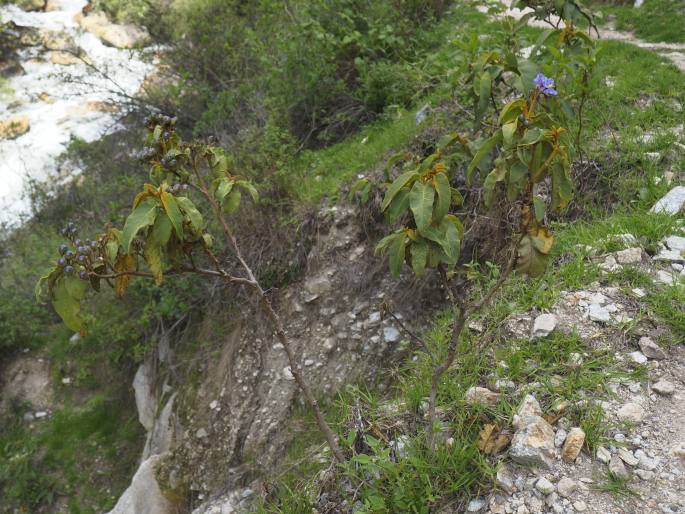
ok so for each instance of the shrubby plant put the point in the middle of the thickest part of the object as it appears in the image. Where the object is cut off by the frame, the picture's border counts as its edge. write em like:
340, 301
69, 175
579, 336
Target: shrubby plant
164, 235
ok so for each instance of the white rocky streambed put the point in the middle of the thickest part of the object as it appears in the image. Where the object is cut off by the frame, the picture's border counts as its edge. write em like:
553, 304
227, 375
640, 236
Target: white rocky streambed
73, 73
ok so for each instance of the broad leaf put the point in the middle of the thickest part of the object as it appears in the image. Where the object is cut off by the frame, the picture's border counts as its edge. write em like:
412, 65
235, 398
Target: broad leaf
192, 214
153, 257
398, 206
250, 189
68, 307
484, 149
395, 187
421, 200
225, 186
539, 205
174, 212
397, 254
442, 186
419, 256
141, 217
161, 230
124, 263
232, 201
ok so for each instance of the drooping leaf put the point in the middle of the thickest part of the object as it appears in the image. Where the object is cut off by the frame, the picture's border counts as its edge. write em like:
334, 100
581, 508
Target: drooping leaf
385, 243
517, 180
161, 230
395, 187
508, 132
484, 149
398, 206
562, 188
511, 111
67, 306
542, 240
484, 91
529, 260
250, 189
397, 254
491, 180
75, 286
452, 245
141, 217
419, 256
225, 186
232, 201
173, 212
193, 216
442, 186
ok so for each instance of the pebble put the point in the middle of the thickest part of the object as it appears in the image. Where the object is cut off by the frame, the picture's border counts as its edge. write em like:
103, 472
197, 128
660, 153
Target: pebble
573, 445
560, 437
627, 457
544, 486
566, 487
580, 506
664, 387
617, 468
476, 505
631, 411
598, 313
603, 455
651, 349
481, 395
637, 357
544, 325
391, 334
644, 474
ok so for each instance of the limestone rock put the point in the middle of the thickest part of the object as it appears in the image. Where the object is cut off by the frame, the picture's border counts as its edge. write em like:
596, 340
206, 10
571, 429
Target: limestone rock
144, 495
145, 396
638, 357
664, 387
64, 58
671, 203
544, 325
27, 379
119, 36
598, 313
31, 5
603, 455
631, 411
573, 445
651, 349
629, 256
533, 443
505, 479
12, 128
618, 469
544, 486
481, 395
566, 487
529, 407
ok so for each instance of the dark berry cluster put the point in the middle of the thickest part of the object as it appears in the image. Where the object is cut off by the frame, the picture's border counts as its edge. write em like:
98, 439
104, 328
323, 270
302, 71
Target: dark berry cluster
177, 188
168, 123
80, 256
524, 120
168, 162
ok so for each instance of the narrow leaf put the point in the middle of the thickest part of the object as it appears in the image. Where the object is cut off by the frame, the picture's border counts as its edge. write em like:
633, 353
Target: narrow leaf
395, 187
442, 186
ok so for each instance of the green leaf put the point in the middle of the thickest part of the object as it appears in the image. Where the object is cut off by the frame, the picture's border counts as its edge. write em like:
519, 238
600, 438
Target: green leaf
485, 88
192, 214
517, 180
532, 136
398, 206
75, 286
511, 111
232, 201
482, 152
161, 230
394, 159
491, 180
442, 186
419, 255
421, 199
250, 189
225, 186
530, 261
396, 186
562, 188
452, 245
384, 243
456, 197
68, 307
539, 206
141, 217
397, 253
208, 240
174, 212
508, 132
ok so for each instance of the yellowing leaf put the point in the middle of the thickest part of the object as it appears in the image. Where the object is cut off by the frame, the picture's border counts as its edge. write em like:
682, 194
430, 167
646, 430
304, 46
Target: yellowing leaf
141, 217
491, 440
124, 263
153, 257
172, 210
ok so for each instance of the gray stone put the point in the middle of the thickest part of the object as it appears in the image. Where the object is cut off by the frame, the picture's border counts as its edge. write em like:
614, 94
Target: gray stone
644, 474
675, 243
617, 468
476, 505
580, 506
391, 334
560, 437
664, 387
666, 277
544, 325
645, 462
598, 313
505, 479
144, 495
671, 203
481, 395
651, 349
637, 357
669, 256
533, 443
201, 433
566, 487
603, 455
544, 486
145, 396
629, 256
627, 457
631, 411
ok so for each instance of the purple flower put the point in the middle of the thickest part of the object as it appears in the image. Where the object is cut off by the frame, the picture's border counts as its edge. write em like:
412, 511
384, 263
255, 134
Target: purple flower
545, 84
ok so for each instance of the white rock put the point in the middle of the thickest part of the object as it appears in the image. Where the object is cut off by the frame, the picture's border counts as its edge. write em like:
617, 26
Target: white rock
560, 437
505, 479
637, 357
671, 203
631, 411
481, 395
201, 433
651, 349
544, 486
144, 494
644, 461
288, 374
476, 505
544, 325
580, 506
628, 457
617, 468
598, 313
665, 277
639, 293
675, 243
629, 256
309, 362
669, 256
644, 474
566, 487
213, 404
391, 334
603, 455
664, 387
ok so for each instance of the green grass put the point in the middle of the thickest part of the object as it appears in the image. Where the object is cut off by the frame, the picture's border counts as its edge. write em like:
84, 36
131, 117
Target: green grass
655, 20
45, 460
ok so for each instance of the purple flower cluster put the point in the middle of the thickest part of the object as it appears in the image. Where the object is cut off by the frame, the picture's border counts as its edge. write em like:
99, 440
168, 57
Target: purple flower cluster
545, 85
